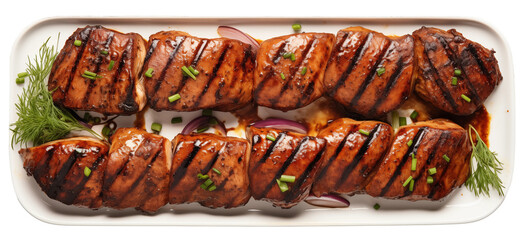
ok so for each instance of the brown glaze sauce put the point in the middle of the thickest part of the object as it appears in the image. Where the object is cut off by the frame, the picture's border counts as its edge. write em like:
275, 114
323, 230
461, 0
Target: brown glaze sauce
140, 120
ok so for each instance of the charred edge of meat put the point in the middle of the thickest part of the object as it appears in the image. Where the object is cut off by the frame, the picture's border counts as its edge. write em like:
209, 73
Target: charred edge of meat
180, 172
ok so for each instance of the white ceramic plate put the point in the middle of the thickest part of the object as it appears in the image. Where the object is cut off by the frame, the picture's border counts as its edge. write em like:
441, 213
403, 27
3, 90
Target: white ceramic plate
461, 206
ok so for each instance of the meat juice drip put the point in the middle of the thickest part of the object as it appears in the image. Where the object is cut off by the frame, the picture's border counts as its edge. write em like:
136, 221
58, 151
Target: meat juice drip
246, 116
319, 114
140, 120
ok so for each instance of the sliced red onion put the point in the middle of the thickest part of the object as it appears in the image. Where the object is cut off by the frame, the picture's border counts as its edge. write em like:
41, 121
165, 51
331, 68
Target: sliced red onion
204, 121
328, 200
233, 33
282, 124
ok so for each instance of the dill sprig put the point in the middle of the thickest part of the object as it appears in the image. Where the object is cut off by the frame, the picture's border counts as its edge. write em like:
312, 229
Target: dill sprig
39, 120
484, 174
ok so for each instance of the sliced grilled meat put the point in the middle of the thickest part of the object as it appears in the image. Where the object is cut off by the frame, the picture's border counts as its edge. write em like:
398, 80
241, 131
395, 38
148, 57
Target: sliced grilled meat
221, 161
290, 70
290, 154
353, 149
137, 173
225, 72
439, 54
114, 57
430, 141
370, 73
70, 170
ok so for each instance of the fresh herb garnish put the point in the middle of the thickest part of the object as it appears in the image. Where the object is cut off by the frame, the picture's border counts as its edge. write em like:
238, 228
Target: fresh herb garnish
483, 174
39, 120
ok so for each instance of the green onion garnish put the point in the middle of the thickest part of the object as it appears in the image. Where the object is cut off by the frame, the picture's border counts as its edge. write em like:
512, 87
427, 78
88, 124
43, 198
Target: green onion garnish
193, 71
466, 98
282, 185
363, 132
22, 75
432, 171
176, 120
106, 131
413, 162
429, 180
407, 181
111, 65
402, 121
202, 176
445, 157
77, 43
304, 71
88, 73
87, 171
173, 98
149, 72
287, 178
410, 142
157, 127
282, 76
202, 129
457, 72
207, 112
20, 80
104, 52
380, 71
188, 72
454, 81
270, 137
212, 187
208, 182
411, 185
296, 27
90, 77
376, 206
293, 58
286, 55
216, 170
413, 115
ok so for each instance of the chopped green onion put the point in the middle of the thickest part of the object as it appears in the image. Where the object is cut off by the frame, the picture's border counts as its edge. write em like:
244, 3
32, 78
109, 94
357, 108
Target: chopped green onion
457, 72
296, 27
394, 120
202, 176
87, 171
429, 180
105, 52
106, 131
189, 73
282, 76
454, 81
157, 127
466, 98
173, 98
202, 129
88, 73
96, 120
212, 187
411, 185
213, 121
413, 162
304, 71
402, 121
445, 157
293, 58
176, 120
193, 71
111, 65
216, 170
407, 181
380, 71
22, 75
363, 132
207, 112
20, 80
410, 142
270, 137
282, 185
432, 171
149, 72
287, 178
208, 183
77, 43
413, 115
287, 55
90, 77
376, 206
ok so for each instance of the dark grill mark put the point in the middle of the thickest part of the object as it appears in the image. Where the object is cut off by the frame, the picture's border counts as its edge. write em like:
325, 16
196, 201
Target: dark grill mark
436, 181
340, 46
201, 46
413, 149
286, 164
358, 55
72, 195
43, 168
280, 136
337, 152
280, 51
300, 180
363, 149
84, 35
181, 170
371, 74
211, 163
99, 60
270, 72
109, 179
480, 63
213, 74
150, 51
443, 89
116, 77
176, 46
58, 181
392, 81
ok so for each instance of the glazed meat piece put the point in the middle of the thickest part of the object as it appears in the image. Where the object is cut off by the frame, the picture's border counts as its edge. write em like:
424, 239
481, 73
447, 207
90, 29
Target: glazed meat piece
289, 154
353, 149
455, 74
211, 170
432, 144
137, 173
290, 70
97, 70
225, 72
70, 170
370, 73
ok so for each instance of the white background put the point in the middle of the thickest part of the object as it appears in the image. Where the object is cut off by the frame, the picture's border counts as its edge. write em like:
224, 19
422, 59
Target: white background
506, 17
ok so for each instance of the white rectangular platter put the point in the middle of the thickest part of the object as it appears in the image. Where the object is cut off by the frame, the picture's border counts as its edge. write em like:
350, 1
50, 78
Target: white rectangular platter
460, 207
